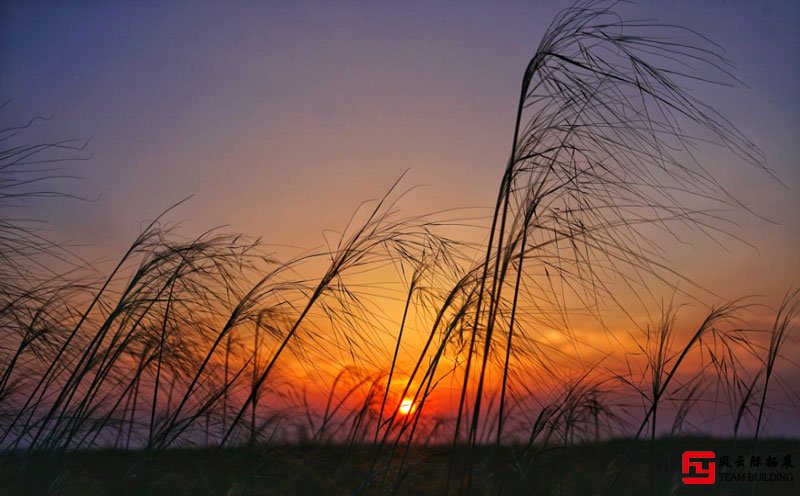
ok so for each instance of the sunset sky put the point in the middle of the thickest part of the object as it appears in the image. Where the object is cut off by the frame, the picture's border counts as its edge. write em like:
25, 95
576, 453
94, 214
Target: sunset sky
280, 118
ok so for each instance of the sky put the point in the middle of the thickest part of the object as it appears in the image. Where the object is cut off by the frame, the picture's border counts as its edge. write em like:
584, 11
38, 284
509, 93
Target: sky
280, 118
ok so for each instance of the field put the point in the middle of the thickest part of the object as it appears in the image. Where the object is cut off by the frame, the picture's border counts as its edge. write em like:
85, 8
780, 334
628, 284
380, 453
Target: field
558, 352
618, 467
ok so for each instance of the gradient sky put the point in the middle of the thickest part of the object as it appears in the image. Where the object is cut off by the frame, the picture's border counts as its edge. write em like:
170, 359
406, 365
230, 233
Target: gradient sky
280, 118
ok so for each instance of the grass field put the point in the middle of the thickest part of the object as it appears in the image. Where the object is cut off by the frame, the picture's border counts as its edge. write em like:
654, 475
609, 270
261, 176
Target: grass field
402, 359
617, 467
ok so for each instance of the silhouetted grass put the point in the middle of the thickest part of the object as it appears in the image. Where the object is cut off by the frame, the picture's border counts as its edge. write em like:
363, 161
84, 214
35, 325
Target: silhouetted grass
114, 383
578, 469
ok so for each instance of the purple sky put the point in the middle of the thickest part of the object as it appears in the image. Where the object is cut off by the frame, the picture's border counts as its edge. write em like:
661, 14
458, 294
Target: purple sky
280, 118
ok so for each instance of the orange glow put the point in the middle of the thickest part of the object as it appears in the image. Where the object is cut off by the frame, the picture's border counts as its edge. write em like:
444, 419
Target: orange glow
406, 406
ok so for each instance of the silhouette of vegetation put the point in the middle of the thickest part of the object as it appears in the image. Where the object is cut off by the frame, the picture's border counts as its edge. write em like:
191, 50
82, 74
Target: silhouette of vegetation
176, 372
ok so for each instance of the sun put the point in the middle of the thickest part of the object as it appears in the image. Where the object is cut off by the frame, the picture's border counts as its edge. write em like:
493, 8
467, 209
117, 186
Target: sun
406, 406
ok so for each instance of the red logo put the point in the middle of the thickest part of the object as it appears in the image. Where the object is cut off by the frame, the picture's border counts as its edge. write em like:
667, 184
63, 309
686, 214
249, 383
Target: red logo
699, 467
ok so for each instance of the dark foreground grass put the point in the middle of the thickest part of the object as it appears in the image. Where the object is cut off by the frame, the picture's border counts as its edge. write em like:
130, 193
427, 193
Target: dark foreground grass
616, 467
213, 337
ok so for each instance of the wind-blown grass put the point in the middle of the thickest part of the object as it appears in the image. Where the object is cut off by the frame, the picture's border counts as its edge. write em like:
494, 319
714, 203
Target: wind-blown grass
198, 342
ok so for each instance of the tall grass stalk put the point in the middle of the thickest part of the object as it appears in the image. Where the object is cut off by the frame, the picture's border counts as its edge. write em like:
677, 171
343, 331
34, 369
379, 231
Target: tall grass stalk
208, 340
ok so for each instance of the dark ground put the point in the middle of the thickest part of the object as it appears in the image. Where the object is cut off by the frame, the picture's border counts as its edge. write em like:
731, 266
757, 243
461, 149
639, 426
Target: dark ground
618, 467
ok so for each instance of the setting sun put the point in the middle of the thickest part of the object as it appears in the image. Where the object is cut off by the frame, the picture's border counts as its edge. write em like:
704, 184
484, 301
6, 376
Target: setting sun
302, 223
406, 406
